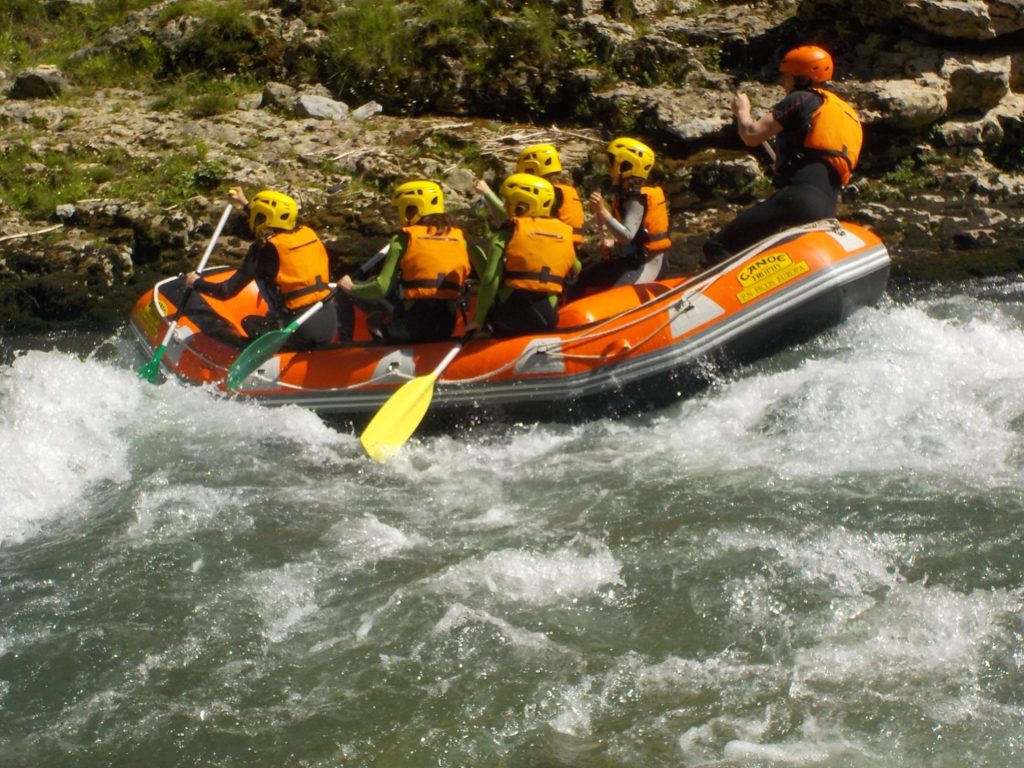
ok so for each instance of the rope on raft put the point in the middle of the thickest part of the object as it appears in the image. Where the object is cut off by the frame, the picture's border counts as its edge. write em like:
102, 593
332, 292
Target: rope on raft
602, 329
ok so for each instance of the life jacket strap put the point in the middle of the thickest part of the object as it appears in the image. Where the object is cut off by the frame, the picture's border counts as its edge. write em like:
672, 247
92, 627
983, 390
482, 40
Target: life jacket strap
544, 276
441, 282
316, 287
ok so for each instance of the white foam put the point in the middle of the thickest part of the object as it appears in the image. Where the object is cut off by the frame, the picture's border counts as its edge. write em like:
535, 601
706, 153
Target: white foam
367, 540
850, 562
919, 638
286, 596
180, 510
892, 390
459, 615
61, 424
534, 577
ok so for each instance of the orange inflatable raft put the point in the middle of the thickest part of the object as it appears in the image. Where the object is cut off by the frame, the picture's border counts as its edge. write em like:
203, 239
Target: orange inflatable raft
622, 350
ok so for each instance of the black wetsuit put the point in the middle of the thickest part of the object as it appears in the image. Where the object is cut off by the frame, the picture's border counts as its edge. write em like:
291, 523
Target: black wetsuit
809, 187
261, 264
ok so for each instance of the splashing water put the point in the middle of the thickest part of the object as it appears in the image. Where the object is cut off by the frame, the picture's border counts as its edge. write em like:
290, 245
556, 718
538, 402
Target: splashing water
818, 562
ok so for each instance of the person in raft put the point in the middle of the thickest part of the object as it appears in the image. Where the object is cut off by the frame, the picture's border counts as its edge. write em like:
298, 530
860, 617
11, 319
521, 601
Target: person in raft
424, 273
818, 145
530, 258
542, 160
635, 229
290, 266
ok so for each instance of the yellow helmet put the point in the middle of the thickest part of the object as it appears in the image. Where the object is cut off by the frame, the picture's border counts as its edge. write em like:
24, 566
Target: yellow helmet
628, 157
415, 199
539, 159
272, 209
527, 195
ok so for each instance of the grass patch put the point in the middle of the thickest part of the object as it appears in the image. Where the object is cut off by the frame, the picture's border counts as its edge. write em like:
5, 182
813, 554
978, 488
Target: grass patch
224, 39
407, 54
199, 96
910, 175
133, 64
169, 180
34, 32
36, 183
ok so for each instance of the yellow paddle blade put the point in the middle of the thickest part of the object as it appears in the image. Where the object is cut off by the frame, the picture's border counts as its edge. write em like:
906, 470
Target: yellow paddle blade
398, 418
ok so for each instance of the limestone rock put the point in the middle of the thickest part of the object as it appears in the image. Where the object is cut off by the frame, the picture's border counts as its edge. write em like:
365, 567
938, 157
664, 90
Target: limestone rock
905, 103
965, 19
976, 85
319, 107
42, 82
277, 96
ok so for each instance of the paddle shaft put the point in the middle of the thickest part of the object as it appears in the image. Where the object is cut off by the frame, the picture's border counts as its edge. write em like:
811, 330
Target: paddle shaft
150, 369
446, 361
294, 324
202, 265
373, 261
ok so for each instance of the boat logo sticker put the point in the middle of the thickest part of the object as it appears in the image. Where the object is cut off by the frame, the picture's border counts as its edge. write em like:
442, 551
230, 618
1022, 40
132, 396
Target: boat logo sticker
767, 272
149, 319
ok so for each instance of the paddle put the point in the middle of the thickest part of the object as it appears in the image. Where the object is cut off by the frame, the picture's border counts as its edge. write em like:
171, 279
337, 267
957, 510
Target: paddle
150, 369
268, 344
398, 418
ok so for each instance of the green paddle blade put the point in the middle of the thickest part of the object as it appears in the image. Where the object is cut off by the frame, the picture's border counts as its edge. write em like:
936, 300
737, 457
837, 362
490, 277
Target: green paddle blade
149, 371
257, 353
398, 418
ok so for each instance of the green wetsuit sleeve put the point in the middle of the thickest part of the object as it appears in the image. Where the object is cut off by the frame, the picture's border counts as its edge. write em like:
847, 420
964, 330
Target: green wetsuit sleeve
490, 275
496, 204
380, 286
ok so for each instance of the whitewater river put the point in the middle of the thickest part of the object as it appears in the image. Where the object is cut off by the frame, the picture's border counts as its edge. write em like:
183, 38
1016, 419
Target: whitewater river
817, 562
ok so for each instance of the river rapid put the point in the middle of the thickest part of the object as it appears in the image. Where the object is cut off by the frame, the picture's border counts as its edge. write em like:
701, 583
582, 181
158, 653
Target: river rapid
819, 561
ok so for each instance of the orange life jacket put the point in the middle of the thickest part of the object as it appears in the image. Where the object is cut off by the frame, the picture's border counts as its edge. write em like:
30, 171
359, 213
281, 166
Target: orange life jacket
538, 255
571, 211
435, 263
835, 134
653, 236
303, 270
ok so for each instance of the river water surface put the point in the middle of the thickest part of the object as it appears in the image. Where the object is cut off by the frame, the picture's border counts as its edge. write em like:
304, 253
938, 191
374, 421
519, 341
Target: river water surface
817, 562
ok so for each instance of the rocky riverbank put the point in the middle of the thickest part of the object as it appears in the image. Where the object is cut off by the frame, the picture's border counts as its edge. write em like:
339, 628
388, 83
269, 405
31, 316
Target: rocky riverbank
939, 85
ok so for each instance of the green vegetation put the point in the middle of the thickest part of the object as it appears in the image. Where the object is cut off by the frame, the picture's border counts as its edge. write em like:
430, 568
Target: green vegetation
711, 57
1007, 155
224, 39
910, 175
34, 32
408, 54
133, 65
37, 182
198, 95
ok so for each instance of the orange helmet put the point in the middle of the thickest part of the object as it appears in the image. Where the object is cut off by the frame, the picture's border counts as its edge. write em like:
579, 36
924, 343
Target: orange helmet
808, 61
